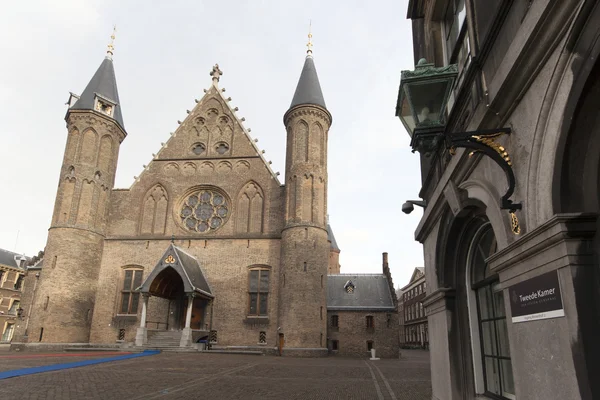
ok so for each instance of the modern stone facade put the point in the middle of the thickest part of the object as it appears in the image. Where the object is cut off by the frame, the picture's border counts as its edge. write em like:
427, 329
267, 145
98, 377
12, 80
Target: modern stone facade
530, 66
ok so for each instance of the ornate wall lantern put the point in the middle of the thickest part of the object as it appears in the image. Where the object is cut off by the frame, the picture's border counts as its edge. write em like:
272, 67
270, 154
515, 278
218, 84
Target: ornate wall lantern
421, 106
422, 102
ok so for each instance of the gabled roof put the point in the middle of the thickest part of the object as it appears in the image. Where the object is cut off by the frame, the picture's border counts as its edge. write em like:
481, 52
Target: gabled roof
371, 292
7, 259
418, 273
213, 92
331, 238
308, 90
104, 84
184, 264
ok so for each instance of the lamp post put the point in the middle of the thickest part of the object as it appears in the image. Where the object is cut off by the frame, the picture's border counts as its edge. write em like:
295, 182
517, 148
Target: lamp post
422, 107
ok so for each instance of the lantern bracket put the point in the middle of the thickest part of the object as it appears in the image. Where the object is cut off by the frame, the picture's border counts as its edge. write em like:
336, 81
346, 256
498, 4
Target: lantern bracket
484, 141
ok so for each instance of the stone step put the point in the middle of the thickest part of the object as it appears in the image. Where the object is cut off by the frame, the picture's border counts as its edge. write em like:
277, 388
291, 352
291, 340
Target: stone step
251, 352
93, 349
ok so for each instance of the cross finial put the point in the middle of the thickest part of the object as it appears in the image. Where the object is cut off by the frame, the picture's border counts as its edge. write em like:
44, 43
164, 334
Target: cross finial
309, 45
216, 74
111, 46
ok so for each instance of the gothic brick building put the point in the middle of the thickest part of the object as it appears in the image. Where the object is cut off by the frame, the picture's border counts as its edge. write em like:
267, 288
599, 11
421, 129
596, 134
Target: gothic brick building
206, 243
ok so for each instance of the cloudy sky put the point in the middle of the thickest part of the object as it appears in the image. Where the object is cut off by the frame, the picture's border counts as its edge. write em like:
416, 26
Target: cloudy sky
164, 52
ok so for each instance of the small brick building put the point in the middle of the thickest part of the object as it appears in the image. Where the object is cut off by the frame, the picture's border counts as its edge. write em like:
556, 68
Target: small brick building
362, 313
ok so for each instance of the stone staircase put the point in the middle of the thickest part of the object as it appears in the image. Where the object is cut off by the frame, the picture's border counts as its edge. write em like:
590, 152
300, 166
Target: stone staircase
164, 340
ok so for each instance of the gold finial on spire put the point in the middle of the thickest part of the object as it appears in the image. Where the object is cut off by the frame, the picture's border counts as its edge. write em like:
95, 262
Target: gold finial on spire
309, 45
111, 46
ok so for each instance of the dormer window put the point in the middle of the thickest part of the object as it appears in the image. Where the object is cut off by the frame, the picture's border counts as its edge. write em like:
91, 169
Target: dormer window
349, 287
104, 106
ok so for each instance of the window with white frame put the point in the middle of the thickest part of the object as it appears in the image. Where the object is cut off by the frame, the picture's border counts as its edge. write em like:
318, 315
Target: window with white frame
488, 320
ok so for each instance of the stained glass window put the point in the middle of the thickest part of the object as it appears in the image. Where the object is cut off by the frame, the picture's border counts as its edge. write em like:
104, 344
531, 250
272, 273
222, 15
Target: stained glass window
204, 211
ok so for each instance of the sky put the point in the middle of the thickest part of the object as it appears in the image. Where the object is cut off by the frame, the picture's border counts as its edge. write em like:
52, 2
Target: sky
164, 52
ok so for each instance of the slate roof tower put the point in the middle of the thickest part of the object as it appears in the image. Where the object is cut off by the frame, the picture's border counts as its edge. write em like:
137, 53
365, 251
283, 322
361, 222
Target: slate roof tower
66, 296
304, 244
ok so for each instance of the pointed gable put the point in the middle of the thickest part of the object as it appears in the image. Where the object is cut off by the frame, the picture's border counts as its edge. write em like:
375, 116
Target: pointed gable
212, 131
185, 265
417, 274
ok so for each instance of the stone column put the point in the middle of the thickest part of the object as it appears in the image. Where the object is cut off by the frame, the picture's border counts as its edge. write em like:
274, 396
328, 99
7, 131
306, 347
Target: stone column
141, 337
188, 315
144, 310
186, 333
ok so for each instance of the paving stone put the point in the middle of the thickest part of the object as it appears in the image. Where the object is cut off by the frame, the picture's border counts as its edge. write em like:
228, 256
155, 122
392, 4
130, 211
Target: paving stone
220, 376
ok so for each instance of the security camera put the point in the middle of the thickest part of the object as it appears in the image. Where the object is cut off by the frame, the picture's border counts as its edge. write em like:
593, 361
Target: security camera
407, 207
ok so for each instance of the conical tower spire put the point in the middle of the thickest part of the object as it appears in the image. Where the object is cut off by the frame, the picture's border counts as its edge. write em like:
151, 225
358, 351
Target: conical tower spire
308, 90
101, 92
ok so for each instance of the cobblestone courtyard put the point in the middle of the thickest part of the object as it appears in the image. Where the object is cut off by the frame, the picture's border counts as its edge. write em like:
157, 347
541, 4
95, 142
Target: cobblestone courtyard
222, 376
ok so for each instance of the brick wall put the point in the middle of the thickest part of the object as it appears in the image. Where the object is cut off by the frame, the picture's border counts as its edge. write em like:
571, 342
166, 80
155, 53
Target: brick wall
352, 333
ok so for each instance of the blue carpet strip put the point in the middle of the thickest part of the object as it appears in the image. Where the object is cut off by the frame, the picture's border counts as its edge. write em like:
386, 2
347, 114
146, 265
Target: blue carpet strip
57, 367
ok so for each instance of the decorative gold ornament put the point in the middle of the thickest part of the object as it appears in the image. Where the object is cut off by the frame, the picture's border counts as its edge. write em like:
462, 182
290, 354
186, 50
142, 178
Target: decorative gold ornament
111, 46
514, 223
309, 45
170, 259
489, 140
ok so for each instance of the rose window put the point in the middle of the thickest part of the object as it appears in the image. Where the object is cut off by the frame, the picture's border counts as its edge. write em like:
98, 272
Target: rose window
204, 211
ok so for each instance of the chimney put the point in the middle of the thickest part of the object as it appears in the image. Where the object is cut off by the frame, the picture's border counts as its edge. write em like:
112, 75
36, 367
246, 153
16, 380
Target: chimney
385, 262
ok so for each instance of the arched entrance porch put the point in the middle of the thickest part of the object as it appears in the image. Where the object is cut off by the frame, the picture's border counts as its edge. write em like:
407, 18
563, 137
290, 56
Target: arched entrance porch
178, 280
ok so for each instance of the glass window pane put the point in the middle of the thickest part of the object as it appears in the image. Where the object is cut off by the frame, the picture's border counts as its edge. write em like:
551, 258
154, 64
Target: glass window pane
502, 338
508, 383
489, 338
263, 304
484, 298
461, 13
124, 303
253, 305
499, 304
264, 281
492, 375
254, 281
135, 297
127, 280
137, 281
